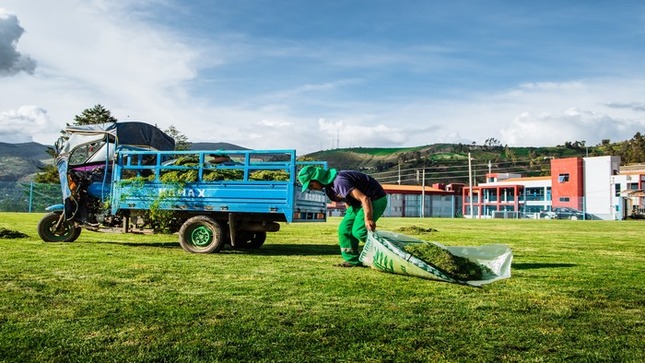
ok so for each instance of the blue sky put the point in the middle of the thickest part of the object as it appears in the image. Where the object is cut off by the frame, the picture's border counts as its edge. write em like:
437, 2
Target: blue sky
318, 75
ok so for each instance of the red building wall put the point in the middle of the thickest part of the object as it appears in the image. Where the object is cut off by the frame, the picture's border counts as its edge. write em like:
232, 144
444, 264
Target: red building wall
567, 183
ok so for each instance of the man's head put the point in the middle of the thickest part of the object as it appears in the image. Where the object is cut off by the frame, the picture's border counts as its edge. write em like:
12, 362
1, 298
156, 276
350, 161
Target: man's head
316, 174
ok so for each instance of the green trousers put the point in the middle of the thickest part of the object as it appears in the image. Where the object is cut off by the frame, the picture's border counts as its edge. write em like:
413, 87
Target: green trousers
352, 229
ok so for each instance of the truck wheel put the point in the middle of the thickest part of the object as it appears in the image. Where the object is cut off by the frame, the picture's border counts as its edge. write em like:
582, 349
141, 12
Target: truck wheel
67, 232
201, 234
250, 239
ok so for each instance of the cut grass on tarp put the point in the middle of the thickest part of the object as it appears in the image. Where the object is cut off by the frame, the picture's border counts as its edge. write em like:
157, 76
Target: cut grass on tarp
457, 267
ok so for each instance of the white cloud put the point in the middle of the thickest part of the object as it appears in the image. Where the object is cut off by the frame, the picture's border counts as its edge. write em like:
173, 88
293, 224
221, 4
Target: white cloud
574, 111
355, 133
569, 125
18, 126
275, 123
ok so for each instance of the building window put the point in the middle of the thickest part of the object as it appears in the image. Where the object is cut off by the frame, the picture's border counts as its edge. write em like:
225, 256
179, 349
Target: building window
563, 178
534, 193
617, 190
564, 199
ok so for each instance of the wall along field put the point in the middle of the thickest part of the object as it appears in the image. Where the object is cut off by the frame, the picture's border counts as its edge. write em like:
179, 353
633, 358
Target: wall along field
576, 294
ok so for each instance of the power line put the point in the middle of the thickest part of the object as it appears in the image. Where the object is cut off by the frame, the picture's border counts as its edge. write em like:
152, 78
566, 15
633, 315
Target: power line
455, 172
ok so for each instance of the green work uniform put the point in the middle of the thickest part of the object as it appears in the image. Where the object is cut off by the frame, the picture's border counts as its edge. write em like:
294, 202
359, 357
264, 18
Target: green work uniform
352, 229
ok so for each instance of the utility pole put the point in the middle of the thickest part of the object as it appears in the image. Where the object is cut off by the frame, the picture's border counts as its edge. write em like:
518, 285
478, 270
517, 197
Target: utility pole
399, 181
423, 194
470, 183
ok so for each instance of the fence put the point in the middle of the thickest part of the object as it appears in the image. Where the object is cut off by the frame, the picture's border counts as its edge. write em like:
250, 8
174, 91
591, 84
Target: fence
28, 197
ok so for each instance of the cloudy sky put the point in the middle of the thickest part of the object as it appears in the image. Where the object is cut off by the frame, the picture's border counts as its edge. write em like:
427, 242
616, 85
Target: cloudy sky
305, 75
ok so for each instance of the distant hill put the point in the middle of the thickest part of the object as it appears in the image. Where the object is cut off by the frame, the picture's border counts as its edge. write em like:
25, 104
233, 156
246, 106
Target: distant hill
27, 150
20, 162
445, 163
215, 146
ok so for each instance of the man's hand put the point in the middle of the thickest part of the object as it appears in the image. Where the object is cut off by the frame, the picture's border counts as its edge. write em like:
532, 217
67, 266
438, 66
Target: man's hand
367, 208
370, 225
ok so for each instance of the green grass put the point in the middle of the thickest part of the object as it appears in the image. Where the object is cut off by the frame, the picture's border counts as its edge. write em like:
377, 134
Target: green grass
576, 295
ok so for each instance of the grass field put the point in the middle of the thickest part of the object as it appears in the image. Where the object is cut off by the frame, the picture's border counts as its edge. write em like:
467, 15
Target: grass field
576, 295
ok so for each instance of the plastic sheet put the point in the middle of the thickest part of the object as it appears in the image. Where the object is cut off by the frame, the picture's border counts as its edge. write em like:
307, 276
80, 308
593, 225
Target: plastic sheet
384, 251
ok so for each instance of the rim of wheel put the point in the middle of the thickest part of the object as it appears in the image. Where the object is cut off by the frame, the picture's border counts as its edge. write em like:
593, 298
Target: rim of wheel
201, 236
66, 232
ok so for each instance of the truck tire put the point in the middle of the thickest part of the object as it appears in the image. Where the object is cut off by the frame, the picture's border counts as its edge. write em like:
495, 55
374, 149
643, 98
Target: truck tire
201, 234
250, 240
48, 233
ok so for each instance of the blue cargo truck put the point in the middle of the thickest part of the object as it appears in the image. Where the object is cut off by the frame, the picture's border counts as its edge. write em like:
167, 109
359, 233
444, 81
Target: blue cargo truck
126, 177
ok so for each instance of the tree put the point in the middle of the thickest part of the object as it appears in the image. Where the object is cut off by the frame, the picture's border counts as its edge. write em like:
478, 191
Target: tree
492, 144
181, 141
95, 115
49, 173
510, 154
635, 151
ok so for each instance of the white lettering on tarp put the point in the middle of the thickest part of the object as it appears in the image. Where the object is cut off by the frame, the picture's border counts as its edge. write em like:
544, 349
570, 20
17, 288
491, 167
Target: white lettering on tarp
189, 193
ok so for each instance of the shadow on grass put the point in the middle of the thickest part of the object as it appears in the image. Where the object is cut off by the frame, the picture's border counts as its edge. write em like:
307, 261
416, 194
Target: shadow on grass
274, 249
136, 244
269, 249
528, 266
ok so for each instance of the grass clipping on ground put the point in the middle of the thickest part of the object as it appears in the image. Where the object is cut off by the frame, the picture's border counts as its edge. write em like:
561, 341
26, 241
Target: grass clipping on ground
460, 268
7, 233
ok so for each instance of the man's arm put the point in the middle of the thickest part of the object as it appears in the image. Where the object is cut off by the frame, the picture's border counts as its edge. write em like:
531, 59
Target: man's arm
367, 208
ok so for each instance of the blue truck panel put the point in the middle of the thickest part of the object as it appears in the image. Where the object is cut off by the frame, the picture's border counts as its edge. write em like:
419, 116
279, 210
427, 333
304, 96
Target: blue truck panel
137, 184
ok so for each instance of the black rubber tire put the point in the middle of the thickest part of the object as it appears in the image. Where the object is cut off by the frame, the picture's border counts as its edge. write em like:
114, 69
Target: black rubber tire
201, 234
250, 240
46, 229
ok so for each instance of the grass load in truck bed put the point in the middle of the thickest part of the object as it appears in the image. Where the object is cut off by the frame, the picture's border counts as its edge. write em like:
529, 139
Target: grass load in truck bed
212, 174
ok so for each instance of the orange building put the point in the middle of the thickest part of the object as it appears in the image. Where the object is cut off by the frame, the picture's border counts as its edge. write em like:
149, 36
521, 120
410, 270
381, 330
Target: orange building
567, 183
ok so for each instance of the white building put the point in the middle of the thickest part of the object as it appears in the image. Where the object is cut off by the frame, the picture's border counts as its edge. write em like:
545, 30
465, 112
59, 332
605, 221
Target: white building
593, 187
599, 187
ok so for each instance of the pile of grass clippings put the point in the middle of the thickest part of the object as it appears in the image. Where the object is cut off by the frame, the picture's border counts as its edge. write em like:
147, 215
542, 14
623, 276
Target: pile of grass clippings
7, 233
457, 267
269, 175
191, 175
416, 230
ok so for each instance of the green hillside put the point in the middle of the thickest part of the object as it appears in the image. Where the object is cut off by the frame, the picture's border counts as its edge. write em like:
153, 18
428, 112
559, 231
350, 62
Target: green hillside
448, 163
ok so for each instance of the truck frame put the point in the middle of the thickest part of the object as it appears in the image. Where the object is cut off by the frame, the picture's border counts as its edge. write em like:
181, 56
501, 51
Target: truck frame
212, 198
